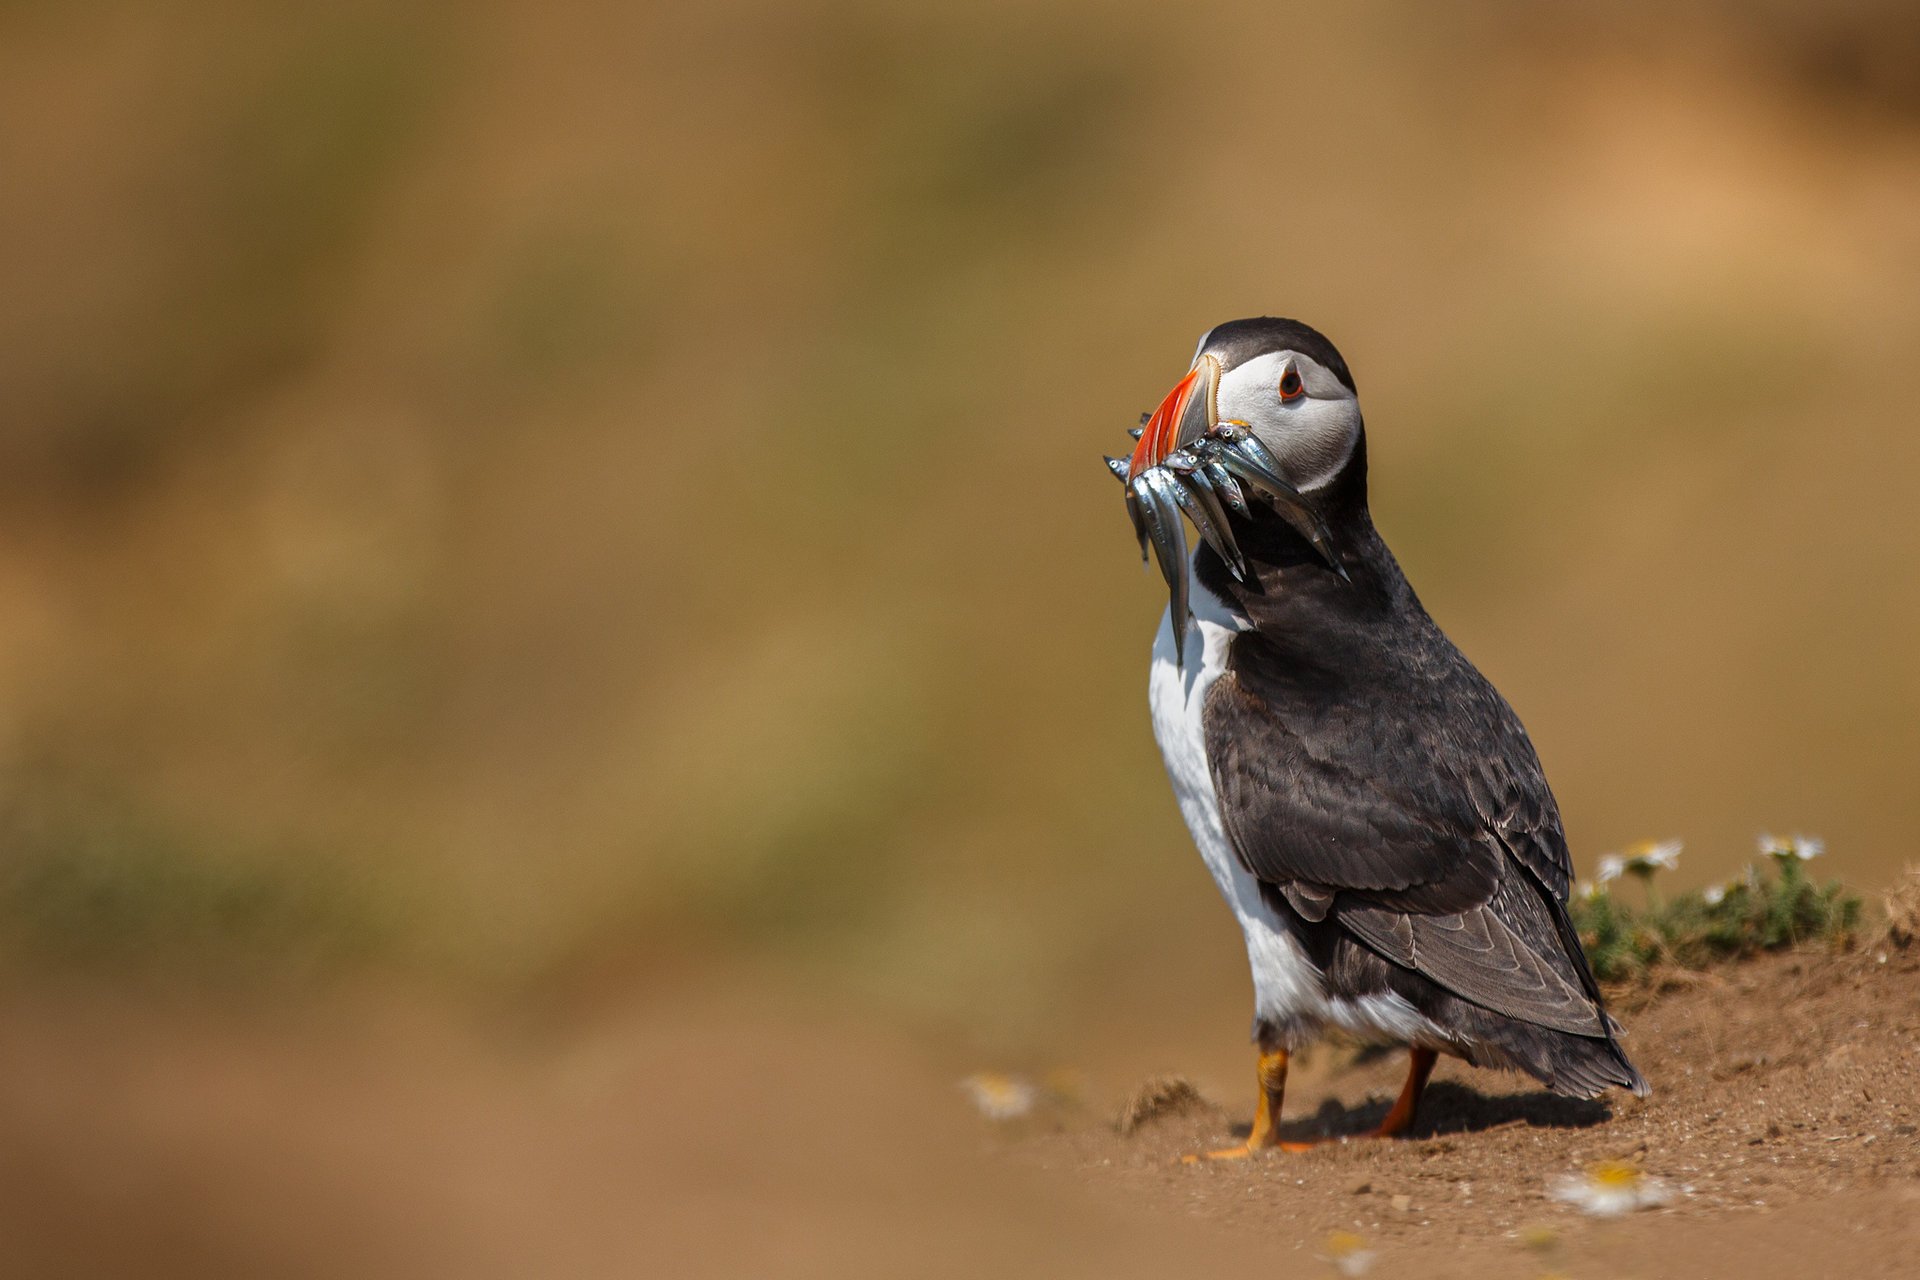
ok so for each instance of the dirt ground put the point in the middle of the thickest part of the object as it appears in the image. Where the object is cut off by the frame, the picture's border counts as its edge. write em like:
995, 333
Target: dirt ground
1784, 1116
712, 1132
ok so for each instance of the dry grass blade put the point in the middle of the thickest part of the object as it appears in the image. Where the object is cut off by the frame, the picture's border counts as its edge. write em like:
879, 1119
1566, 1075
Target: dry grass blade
1156, 1098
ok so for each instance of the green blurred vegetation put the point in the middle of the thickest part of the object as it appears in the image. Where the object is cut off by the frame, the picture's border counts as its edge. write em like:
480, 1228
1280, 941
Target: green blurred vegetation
89, 882
555, 488
1757, 912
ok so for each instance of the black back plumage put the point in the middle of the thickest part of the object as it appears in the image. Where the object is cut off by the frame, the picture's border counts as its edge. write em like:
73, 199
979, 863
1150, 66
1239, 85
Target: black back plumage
1388, 799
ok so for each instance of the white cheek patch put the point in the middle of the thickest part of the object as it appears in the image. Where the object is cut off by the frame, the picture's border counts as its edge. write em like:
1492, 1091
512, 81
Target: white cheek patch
1311, 437
1315, 442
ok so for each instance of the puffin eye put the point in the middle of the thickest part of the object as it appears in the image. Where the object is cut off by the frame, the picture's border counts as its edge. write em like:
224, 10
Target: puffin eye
1290, 388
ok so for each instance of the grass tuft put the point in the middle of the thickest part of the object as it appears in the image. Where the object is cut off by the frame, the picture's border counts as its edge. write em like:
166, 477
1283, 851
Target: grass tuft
1759, 912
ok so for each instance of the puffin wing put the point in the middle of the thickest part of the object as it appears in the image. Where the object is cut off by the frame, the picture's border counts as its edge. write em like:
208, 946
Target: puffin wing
1414, 814
1503, 955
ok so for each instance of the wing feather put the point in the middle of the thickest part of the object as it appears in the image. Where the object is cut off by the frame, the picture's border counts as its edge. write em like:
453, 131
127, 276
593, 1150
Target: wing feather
1411, 809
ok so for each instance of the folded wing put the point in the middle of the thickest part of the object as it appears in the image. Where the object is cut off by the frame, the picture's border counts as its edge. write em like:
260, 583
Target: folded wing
1415, 815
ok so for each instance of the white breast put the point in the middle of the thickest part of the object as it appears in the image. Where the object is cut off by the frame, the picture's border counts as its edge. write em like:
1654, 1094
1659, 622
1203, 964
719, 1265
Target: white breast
1289, 992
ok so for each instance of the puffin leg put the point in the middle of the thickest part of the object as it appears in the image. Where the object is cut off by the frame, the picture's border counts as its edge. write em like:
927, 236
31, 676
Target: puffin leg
1265, 1135
1400, 1118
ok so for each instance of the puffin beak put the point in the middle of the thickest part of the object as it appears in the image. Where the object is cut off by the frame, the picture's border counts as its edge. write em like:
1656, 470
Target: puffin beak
1189, 465
1189, 412
1155, 499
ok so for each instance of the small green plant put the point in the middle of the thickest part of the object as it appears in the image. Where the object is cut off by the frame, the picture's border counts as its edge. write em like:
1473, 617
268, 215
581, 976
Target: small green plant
1754, 912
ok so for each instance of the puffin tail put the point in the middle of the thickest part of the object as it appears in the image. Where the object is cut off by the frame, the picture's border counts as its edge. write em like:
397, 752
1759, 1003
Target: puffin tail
1585, 1066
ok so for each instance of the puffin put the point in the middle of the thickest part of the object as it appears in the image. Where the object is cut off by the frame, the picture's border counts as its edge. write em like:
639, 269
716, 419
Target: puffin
1368, 804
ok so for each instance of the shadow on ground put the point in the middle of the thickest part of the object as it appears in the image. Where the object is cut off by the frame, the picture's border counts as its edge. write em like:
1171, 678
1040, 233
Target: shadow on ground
1449, 1108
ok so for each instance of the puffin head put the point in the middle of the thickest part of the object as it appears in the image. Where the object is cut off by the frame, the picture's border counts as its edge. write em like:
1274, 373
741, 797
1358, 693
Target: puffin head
1266, 416
1281, 380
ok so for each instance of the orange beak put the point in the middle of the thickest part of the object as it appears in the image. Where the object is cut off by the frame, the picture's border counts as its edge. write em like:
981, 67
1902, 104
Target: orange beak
1190, 410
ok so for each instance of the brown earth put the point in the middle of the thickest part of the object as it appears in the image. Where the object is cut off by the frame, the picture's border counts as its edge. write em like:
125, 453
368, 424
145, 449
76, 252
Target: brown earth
1784, 1113
728, 1128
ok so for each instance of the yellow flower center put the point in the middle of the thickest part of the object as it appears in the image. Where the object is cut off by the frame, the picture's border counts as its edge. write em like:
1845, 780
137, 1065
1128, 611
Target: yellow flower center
1614, 1175
1342, 1243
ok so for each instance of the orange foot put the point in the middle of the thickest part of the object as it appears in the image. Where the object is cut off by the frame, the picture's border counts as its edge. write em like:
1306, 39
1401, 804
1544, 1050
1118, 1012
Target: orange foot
1273, 1087
1400, 1118
1272, 1078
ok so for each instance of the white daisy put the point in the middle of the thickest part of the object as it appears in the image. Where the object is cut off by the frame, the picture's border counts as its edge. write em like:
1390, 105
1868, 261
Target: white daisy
1000, 1097
1588, 890
1714, 894
1348, 1253
1793, 847
1612, 867
1650, 856
1611, 1188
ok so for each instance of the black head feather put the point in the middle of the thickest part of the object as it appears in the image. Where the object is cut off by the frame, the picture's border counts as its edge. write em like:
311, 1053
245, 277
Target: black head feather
1238, 341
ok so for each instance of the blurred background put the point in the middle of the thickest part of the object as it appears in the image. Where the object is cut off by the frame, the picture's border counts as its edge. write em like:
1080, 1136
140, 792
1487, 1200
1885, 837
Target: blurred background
548, 518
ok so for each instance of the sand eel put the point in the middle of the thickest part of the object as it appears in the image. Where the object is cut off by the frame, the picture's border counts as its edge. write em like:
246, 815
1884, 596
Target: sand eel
1369, 805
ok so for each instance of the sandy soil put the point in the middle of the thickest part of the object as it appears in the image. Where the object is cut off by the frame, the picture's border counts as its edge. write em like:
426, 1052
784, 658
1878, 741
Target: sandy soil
381, 1134
700, 1133
1784, 1117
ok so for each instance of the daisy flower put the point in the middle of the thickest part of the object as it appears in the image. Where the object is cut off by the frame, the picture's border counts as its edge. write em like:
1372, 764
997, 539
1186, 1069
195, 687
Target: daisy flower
1348, 1253
1538, 1236
1611, 1188
1640, 861
1793, 848
1714, 894
1649, 856
1000, 1097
